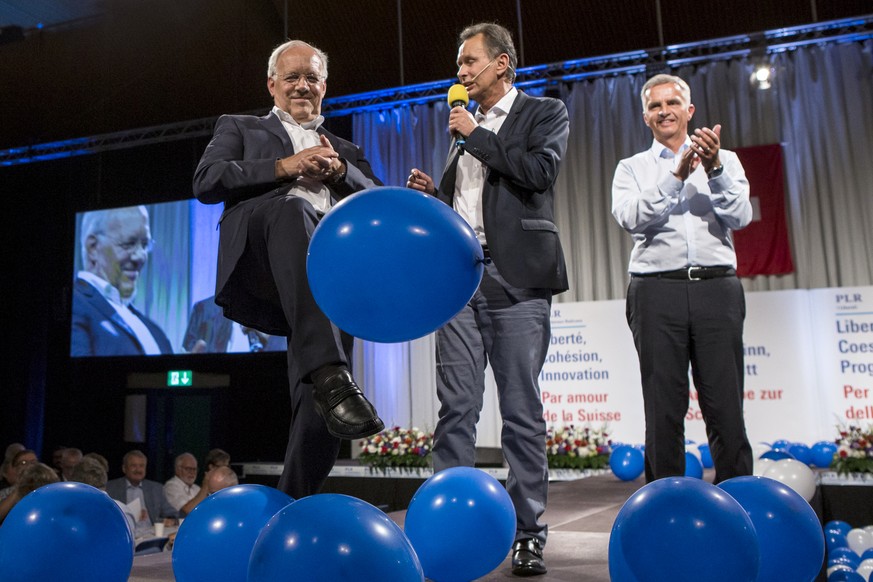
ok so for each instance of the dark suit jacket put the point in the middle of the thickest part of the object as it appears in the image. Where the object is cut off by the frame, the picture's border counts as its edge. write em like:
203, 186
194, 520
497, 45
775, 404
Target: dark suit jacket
207, 322
238, 168
153, 493
522, 162
98, 330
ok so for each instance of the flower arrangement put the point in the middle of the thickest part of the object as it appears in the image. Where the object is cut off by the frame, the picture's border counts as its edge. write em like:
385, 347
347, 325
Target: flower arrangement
854, 450
397, 447
573, 447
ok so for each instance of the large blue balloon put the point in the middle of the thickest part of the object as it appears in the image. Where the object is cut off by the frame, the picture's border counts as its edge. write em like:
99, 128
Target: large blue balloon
626, 462
216, 539
789, 533
823, 453
65, 531
392, 264
685, 529
801, 452
332, 537
461, 523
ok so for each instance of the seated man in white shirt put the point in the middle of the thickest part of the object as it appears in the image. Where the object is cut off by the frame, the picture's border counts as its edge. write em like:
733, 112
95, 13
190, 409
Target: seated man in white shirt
181, 487
115, 249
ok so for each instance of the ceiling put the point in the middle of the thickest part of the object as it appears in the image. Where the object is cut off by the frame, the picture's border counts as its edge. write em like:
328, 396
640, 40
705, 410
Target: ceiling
101, 66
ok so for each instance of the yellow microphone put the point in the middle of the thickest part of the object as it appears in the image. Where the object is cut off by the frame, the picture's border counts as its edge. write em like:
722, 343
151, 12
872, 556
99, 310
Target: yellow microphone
458, 98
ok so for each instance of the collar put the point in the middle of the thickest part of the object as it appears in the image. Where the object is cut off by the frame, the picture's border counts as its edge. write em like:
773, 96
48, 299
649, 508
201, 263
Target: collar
131, 485
106, 289
285, 117
659, 150
502, 107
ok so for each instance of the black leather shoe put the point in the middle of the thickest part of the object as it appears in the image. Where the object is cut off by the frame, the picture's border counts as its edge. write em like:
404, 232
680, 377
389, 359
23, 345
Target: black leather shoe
527, 558
339, 401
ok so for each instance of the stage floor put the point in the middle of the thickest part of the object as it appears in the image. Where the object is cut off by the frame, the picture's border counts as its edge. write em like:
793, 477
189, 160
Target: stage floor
580, 515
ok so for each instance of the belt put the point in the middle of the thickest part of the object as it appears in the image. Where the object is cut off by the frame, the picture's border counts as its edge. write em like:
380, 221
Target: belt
691, 273
486, 252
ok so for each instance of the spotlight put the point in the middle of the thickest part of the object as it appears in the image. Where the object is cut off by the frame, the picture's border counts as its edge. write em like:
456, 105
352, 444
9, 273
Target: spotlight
762, 77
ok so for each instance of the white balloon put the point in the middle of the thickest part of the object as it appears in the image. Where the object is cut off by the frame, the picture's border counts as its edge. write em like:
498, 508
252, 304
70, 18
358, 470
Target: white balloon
794, 474
865, 569
760, 465
859, 540
869, 529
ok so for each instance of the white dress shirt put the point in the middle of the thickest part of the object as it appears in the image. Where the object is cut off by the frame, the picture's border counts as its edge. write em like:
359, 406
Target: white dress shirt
178, 493
470, 177
676, 224
305, 136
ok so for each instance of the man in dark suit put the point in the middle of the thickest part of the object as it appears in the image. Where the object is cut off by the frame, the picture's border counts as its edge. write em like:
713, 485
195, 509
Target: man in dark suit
502, 184
210, 332
277, 176
115, 248
134, 485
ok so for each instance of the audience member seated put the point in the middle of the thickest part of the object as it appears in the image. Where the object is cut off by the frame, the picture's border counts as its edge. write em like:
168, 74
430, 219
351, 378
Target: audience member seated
100, 459
6, 466
20, 461
32, 477
215, 480
216, 458
92, 473
181, 487
57, 455
70, 457
134, 486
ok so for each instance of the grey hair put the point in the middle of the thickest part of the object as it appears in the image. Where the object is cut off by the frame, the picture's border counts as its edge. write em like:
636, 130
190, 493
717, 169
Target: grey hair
182, 457
664, 79
96, 222
498, 40
277, 52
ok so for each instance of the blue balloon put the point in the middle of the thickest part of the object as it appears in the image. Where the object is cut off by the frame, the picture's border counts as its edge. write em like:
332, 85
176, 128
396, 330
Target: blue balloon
867, 555
332, 537
781, 444
777, 455
838, 526
393, 264
845, 576
705, 456
684, 529
790, 538
851, 561
461, 523
627, 463
801, 452
845, 551
693, 466
65, 531
216, 539
834, 540
823, 453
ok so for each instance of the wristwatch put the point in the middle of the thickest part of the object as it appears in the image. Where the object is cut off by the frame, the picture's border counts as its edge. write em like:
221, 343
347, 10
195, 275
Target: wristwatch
715, 172
339, 176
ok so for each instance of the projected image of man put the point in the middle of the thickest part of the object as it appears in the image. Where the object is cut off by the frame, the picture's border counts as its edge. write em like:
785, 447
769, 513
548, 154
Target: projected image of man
115, 249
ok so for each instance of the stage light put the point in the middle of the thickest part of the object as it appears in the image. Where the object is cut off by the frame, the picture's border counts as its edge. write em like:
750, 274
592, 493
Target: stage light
762, 77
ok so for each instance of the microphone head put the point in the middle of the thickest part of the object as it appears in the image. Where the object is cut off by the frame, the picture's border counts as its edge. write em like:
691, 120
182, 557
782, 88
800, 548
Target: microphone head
458, 94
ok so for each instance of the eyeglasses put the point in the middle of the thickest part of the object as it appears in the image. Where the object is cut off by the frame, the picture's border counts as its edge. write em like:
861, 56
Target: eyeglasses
294, 78
24, 462
133, 245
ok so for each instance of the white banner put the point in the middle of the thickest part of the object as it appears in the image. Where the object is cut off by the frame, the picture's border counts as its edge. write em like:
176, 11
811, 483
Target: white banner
808, 356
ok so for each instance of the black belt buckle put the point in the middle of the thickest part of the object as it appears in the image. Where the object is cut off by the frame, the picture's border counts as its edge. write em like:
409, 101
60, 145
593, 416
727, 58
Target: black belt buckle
691, 277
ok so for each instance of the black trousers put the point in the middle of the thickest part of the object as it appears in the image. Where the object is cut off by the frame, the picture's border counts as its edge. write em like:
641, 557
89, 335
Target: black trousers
676, 323
279, 232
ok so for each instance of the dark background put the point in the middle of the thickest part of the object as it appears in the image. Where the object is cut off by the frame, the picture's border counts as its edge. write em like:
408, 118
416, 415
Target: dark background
130, 64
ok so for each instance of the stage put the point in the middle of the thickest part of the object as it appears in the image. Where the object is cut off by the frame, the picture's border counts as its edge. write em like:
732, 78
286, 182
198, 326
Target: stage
580, 515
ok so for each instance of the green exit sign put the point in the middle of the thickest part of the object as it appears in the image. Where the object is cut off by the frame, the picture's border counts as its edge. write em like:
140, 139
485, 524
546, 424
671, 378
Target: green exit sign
180, 378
